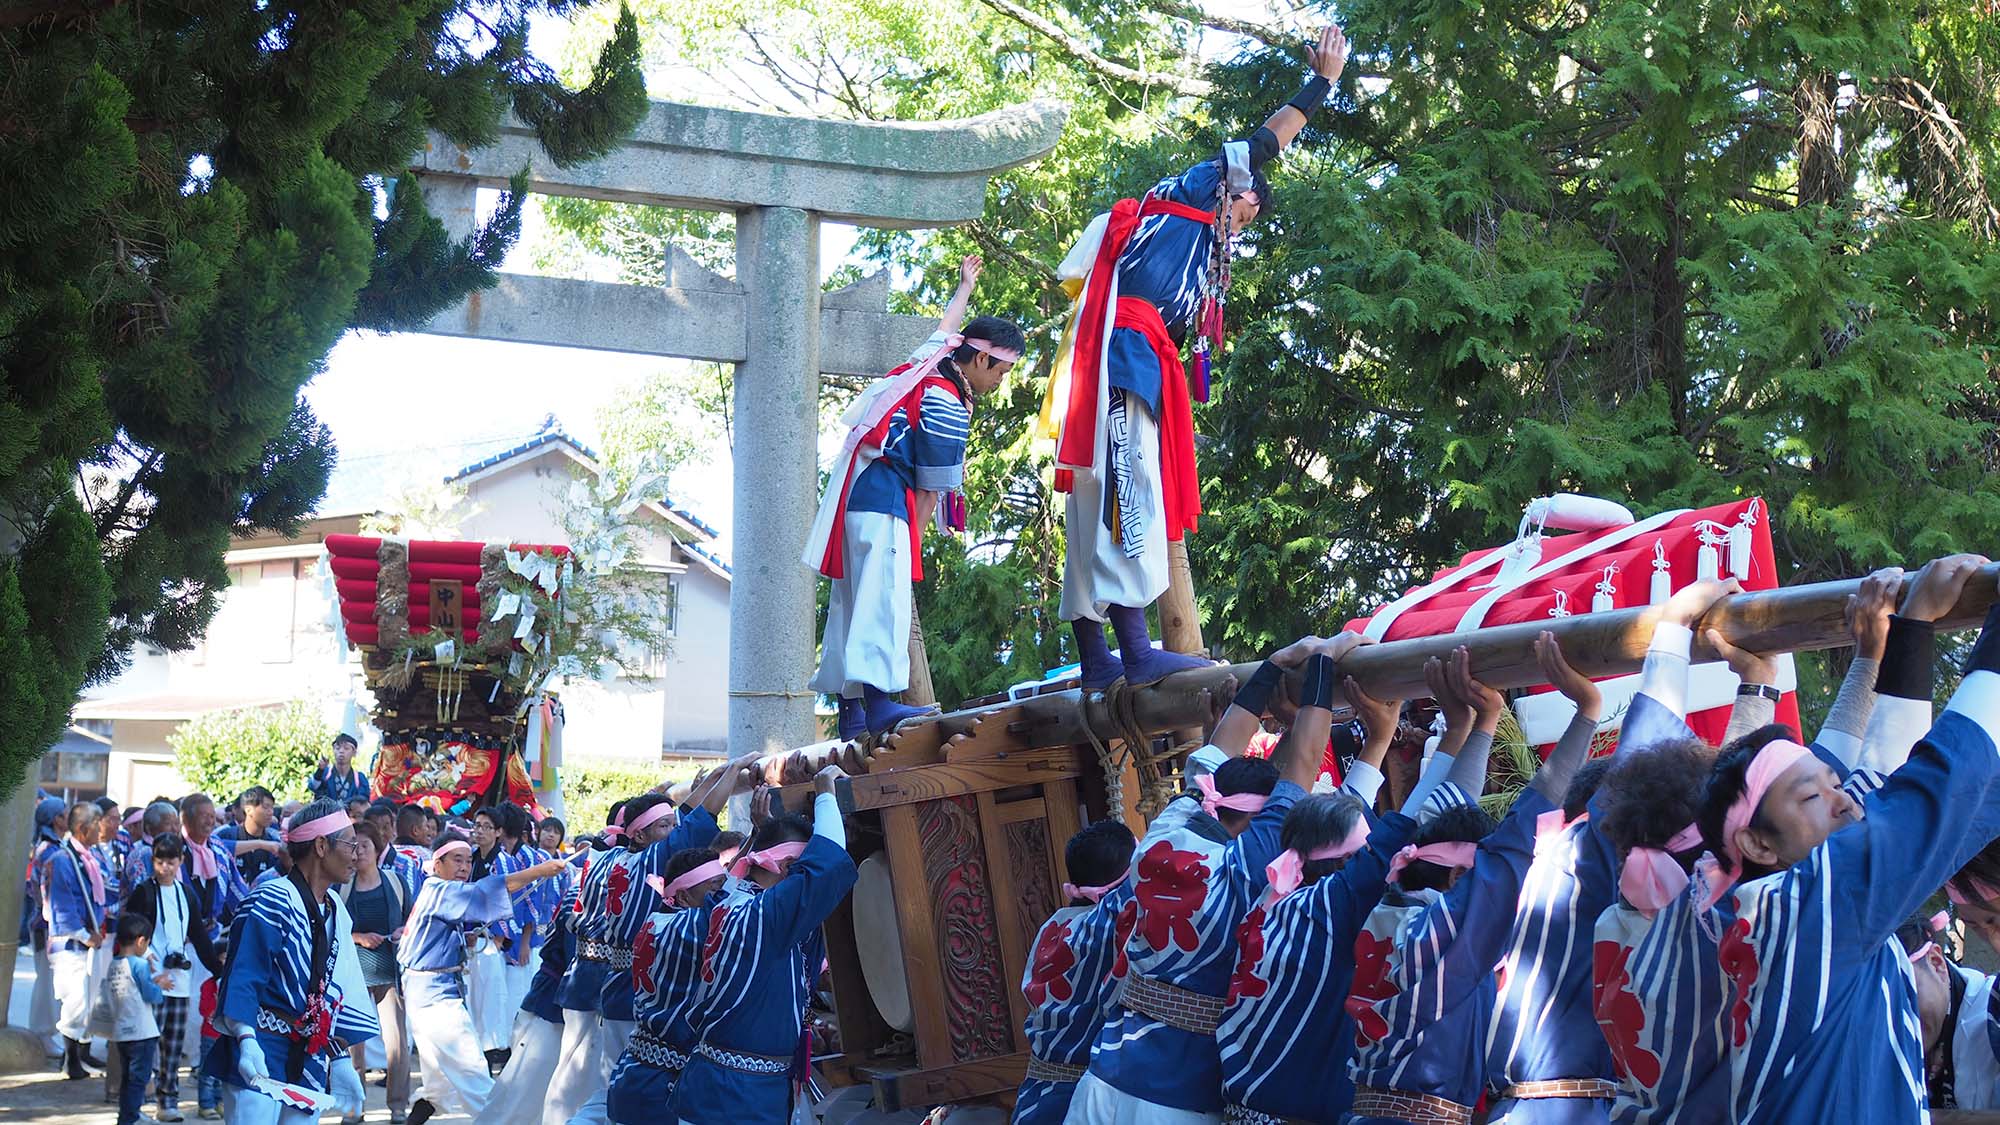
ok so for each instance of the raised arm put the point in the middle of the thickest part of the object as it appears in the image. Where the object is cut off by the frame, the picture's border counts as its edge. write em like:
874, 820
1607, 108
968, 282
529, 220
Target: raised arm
1298, 756
1468, 772
954, 313
1244, 716
1904, 689
1326, 57
1379, 721
1868, 621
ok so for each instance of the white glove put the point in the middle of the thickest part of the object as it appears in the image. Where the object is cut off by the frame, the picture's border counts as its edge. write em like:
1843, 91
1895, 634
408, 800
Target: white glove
348, 1096
250, 1061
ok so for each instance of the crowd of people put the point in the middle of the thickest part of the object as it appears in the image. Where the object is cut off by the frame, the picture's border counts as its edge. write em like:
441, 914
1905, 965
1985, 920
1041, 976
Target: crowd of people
1672, 932
154, 928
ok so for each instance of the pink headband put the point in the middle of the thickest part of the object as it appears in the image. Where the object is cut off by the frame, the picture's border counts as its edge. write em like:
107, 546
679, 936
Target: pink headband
1456, 855
454, 846
133, 817
1651, 877
1937, 923
1986, 891
768, 859
692, 877
1765, 769
1287, 873
614, 829
1004, 355
1212, 801
313, 829
648, 817
1094, 894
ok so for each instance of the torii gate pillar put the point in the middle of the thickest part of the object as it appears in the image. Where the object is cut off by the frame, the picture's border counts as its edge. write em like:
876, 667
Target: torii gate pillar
776, 471
780, 176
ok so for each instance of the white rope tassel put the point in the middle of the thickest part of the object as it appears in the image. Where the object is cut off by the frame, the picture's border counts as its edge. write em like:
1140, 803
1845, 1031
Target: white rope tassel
1663, 576
1740, 544
1607, 591
1708, 563
1562, 604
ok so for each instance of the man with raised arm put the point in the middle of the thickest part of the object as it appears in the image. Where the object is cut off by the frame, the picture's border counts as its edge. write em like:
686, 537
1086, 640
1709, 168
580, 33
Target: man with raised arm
1125, 447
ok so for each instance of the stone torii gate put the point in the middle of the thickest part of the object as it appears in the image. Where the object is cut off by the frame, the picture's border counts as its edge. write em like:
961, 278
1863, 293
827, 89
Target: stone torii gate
780, 176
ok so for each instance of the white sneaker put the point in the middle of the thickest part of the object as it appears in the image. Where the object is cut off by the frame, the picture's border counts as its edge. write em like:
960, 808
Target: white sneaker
169, 1114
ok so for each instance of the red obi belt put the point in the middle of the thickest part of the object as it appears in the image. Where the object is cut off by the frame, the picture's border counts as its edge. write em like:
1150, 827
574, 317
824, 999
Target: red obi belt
833, 561
1078, 446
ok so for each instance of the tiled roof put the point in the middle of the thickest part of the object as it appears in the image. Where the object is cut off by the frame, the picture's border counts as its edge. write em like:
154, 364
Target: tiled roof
547, 437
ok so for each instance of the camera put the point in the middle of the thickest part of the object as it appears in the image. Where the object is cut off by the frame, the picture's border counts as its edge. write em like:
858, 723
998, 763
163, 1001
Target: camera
176, 962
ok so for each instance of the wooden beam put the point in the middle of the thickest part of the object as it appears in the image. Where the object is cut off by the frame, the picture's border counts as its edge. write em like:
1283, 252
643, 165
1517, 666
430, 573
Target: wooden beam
893, 788
1790, 619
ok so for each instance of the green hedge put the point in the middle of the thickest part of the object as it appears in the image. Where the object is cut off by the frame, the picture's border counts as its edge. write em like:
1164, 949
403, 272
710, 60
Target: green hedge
591, 787
222, 753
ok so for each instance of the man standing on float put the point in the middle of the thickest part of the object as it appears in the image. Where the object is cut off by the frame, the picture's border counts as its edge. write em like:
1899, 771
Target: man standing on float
1125, 444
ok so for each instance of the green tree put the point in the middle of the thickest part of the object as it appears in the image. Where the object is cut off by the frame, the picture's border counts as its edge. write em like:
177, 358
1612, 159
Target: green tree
222, 753
1672, 253
201, 199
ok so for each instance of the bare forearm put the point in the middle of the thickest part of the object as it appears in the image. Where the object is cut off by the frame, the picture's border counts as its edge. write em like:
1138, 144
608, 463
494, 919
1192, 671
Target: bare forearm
954, 313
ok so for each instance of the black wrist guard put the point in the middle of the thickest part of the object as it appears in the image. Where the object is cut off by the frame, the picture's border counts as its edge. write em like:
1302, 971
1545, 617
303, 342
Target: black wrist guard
1255, 696
1909, 659
1316, 690
1311, 96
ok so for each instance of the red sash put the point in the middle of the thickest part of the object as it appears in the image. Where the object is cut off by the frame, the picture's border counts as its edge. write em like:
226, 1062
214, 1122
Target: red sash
834, 564
1180, 486
1079, 441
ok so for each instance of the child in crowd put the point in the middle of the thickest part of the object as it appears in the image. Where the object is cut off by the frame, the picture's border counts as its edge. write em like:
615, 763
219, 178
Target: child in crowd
125, 1006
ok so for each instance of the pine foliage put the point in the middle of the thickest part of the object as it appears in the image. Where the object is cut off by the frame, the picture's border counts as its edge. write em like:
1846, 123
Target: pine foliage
201, 199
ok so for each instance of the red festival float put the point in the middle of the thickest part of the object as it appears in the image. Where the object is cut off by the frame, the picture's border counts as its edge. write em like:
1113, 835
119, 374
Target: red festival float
457, 643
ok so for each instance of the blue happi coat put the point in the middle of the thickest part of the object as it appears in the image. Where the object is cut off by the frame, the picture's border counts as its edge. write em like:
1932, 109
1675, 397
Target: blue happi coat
583, 984
1543, 1026
1822, 1021
305, 1015
666, 975
1287, 1034
760, 956
1424, 965
629, 901
1192, 888
558, 950
1068, 986
432, 950
72, 906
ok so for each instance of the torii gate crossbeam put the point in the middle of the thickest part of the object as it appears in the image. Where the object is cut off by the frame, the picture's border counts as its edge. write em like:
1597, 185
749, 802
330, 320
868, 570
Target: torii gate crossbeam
780, 176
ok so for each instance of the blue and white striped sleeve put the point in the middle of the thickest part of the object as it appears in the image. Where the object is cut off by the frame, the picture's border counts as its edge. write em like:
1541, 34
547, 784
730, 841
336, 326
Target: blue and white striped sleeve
936, 447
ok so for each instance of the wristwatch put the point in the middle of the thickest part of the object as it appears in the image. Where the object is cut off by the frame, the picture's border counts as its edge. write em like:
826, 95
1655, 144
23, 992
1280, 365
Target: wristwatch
1766, 690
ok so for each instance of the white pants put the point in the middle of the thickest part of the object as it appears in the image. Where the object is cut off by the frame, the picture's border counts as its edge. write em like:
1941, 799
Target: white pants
519, 979
1097, 1102
448, 1053
42, 1001
867, 639
486, 994
70, 969
612, 1036
517, 1096
580, 1072
191, 1035
1097, 573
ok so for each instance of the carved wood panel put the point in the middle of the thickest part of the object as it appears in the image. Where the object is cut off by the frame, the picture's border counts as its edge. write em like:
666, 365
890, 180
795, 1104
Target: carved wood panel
977, 1019
1028, 862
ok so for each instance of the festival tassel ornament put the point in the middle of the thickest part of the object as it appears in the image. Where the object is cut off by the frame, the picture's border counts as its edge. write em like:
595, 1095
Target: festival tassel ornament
1708, 561
1740, 547
1607, 592
1663, 576
1562, 604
